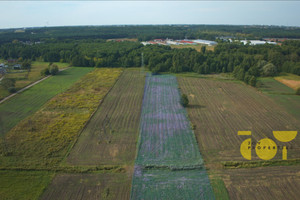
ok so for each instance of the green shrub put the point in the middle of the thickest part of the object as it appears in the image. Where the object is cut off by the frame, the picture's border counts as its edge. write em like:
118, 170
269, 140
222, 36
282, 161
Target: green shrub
12, 89
8, 83
298, 91
53, 69
45, 72
184, 100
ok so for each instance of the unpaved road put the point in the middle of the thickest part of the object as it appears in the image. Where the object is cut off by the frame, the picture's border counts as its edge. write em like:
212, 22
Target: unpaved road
28, 86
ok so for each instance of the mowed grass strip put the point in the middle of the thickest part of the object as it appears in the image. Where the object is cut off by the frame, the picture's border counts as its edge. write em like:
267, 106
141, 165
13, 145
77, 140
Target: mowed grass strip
43, 139
111, 135
106, 186
269, 183
28, 102
282, 95
220, 109
26, 185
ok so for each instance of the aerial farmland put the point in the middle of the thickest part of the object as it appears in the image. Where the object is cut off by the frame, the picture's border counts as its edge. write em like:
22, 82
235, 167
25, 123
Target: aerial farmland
87, 115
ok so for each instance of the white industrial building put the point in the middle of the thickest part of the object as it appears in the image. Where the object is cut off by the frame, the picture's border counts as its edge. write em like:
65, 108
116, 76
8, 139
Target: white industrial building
206, 42
256, 42
171, 42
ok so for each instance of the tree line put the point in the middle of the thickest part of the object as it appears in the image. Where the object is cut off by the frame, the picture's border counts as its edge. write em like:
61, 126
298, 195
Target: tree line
246, 62
147, 32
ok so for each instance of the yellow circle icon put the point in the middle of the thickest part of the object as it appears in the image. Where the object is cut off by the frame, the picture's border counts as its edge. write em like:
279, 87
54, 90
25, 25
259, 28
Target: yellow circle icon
266, 149
246, 149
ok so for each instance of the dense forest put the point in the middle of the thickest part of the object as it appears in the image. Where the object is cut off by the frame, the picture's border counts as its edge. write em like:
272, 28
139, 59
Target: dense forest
246, 62
148, 32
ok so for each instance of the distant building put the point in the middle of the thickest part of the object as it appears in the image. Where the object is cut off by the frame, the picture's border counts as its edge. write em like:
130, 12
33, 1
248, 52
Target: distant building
186, 42
171, 42
206, 42
145, 43
257, 42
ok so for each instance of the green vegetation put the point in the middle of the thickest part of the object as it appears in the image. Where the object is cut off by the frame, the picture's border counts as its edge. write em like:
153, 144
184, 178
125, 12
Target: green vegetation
166, 184
298, 91
219, 188
27, 185
260, 163
9, 84
111, 134
104, 186
26, 77
288, 76
28, 102
184, 100
44, 138
51, 70
226, 57
148, 32
282, 95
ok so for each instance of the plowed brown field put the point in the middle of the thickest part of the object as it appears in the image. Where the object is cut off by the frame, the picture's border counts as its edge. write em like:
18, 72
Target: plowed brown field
220, 109
111, 135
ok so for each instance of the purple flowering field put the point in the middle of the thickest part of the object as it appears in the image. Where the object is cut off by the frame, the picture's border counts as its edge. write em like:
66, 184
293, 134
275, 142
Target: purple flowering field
168, 164
166, 138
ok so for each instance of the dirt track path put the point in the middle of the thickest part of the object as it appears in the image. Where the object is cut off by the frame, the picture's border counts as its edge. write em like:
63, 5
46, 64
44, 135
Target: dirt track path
27, 87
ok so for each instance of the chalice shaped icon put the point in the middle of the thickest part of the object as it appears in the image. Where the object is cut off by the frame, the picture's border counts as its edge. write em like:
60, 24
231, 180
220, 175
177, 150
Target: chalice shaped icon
285, 136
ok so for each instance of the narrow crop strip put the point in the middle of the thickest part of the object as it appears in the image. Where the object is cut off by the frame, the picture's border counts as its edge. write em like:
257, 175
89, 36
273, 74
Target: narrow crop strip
168, 164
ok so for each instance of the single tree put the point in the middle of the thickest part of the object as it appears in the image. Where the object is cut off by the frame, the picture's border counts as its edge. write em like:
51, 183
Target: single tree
9, 84
53, 69
269, 70
252, 81
45, 72
184, 100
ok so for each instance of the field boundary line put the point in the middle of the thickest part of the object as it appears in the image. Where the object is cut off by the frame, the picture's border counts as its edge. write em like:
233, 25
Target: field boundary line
28, 86
259, 163
71, 169
89, 119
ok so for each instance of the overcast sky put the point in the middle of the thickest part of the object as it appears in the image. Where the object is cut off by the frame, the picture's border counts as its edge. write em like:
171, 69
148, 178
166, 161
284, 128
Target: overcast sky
15, 14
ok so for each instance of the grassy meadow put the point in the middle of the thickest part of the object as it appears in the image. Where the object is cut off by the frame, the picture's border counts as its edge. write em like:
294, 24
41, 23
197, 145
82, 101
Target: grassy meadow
43, 139
25, 185
28, 102
282, 95
24, 78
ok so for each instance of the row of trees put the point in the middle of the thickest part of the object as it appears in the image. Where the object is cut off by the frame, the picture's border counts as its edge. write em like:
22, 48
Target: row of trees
147, 32
245, 61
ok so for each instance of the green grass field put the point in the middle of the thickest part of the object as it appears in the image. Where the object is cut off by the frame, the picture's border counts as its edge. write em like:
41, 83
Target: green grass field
282, 95
25, 185
43, 139
166, 184
24, 78
104, 186
26, 103
219, 188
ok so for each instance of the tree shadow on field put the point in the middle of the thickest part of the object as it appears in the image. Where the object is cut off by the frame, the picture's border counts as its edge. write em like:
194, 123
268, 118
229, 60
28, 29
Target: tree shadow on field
63, 73
196, 106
